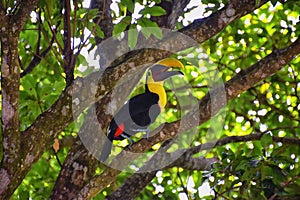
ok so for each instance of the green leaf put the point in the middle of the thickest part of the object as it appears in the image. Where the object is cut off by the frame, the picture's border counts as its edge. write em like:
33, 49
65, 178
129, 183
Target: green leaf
153, 11
266, 172
128, 4
150, 28
279, 175
293, 189
145, 22
122, 25
91, 13
99, 32
132, 36
198, 178
266, 140
242, 165
24, 195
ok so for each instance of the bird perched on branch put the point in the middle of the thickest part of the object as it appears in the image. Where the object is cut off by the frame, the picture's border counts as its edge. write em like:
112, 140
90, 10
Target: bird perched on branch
142, 110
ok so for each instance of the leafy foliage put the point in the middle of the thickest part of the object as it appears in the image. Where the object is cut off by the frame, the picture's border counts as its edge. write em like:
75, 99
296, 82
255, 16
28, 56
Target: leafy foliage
258, 169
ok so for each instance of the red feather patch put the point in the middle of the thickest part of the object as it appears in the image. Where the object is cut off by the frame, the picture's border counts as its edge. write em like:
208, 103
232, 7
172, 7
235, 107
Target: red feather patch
119, 130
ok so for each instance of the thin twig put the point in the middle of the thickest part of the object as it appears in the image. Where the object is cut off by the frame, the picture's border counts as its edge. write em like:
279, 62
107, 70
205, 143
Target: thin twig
182, 184
57, 158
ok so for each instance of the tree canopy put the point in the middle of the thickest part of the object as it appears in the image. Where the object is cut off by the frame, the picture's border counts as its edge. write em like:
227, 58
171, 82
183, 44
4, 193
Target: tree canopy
231, 125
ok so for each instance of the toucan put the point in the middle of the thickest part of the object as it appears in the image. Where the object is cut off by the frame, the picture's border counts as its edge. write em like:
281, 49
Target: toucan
141, 110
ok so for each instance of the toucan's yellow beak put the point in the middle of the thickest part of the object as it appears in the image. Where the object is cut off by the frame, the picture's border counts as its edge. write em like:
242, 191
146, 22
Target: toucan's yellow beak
171, 62
160, 69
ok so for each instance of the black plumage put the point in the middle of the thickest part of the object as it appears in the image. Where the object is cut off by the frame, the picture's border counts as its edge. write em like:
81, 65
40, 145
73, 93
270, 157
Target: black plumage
135, 116
141, 110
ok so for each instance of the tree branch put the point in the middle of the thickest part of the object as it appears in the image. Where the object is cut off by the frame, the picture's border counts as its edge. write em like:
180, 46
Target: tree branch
133, 186
239, 83
205, 27
25, 7
135, 183
60, 114
235, 139
105, 18
105, 119
105, 21
68, 52
39, 56
217, 21
86, 150
10, 82
3, 17
174, 9
107, 80
79, 165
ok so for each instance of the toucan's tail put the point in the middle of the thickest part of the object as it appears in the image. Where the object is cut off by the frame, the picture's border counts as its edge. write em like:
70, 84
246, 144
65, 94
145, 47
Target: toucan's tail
106, 150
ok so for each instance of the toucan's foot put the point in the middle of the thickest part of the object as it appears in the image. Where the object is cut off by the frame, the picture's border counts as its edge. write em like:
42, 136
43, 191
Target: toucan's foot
147, 134
129, 139
147, 131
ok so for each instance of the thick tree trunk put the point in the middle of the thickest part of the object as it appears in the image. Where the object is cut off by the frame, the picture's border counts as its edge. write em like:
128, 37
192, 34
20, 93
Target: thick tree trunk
11, 168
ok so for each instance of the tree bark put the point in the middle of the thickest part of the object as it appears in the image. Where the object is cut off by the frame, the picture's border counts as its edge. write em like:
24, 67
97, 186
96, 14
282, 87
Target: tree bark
239, 83
10, 82
40, 135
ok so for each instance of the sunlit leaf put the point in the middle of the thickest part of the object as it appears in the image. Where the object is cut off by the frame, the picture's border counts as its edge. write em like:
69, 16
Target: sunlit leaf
153, 11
